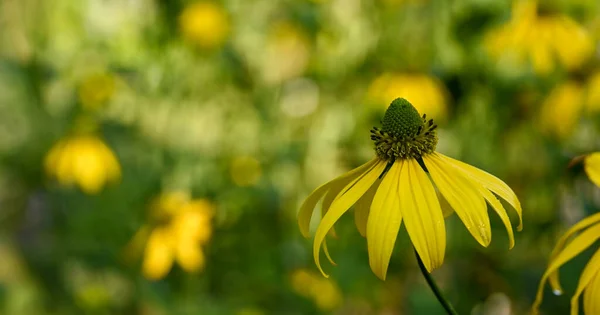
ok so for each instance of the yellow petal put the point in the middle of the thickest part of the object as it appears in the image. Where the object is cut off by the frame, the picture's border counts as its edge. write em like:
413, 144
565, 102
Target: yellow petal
579, 244
591, 270
384, 221
64, 167
491, 182
89, 167
327, 254
351, 193
591, 302
497, 206
422, 214
361, 209
592, 167
306, 210
53, 157
585, 223
462, 194
189, 255
158, 257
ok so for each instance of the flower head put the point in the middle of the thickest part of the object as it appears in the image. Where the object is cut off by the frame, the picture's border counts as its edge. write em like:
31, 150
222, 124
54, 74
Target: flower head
204, 23
325, 293
84, 160
179, 228
543, 37
399, 184
425, 92
577, 239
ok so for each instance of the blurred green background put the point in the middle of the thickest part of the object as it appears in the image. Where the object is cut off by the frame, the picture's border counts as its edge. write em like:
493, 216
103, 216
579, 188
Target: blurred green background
153, 153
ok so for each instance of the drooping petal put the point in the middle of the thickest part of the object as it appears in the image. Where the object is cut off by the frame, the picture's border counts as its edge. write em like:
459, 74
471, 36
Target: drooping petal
306, 210
384, 221
158, 256
497, 206
591, 302
491, 182
189, 255
592, 167
574, 248
422, 215
585, 223
362, 207
351, 193
591, 270
462, 194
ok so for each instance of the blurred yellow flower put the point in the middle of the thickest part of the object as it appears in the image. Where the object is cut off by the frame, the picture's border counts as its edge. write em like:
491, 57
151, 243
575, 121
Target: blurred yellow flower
561, 110
245, 171
84, 160
567, 103
398, 185
325, 293
95, 90
576, 240
426, 93
541, 38
592, 102
179, 228
205, 24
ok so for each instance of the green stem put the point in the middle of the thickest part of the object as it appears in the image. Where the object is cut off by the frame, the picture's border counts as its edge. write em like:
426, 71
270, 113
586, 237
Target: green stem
438, 293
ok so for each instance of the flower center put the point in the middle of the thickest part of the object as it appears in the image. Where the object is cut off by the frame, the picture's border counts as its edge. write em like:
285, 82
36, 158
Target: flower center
404, 133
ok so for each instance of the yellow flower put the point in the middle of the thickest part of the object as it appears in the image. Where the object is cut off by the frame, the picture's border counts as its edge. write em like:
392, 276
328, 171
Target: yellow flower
561, 110
566, 103
181, 226
204, 23
592, 102
541, 38
569, 246
398, 185
95, 90
323, 292
84, 160
426, 93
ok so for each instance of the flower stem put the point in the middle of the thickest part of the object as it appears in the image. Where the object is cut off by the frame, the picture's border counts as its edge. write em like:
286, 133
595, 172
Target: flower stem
438, 293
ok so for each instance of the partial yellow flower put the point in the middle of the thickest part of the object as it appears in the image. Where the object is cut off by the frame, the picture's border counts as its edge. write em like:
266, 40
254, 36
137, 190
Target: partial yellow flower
96, 90
591, 164
84, 160
561, 110
592, 102
543, 39
399, 184
426, 93
204, 23
180, 228
567, 103
576, 240
324, 292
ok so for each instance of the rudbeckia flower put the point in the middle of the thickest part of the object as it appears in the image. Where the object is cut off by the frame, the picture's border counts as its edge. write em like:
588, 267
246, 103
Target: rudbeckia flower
541, 37
179, 228
399, 184
577, 239
204, 23
84, 160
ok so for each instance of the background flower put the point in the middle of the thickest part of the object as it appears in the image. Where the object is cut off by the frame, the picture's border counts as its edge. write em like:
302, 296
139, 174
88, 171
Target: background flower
251, 105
